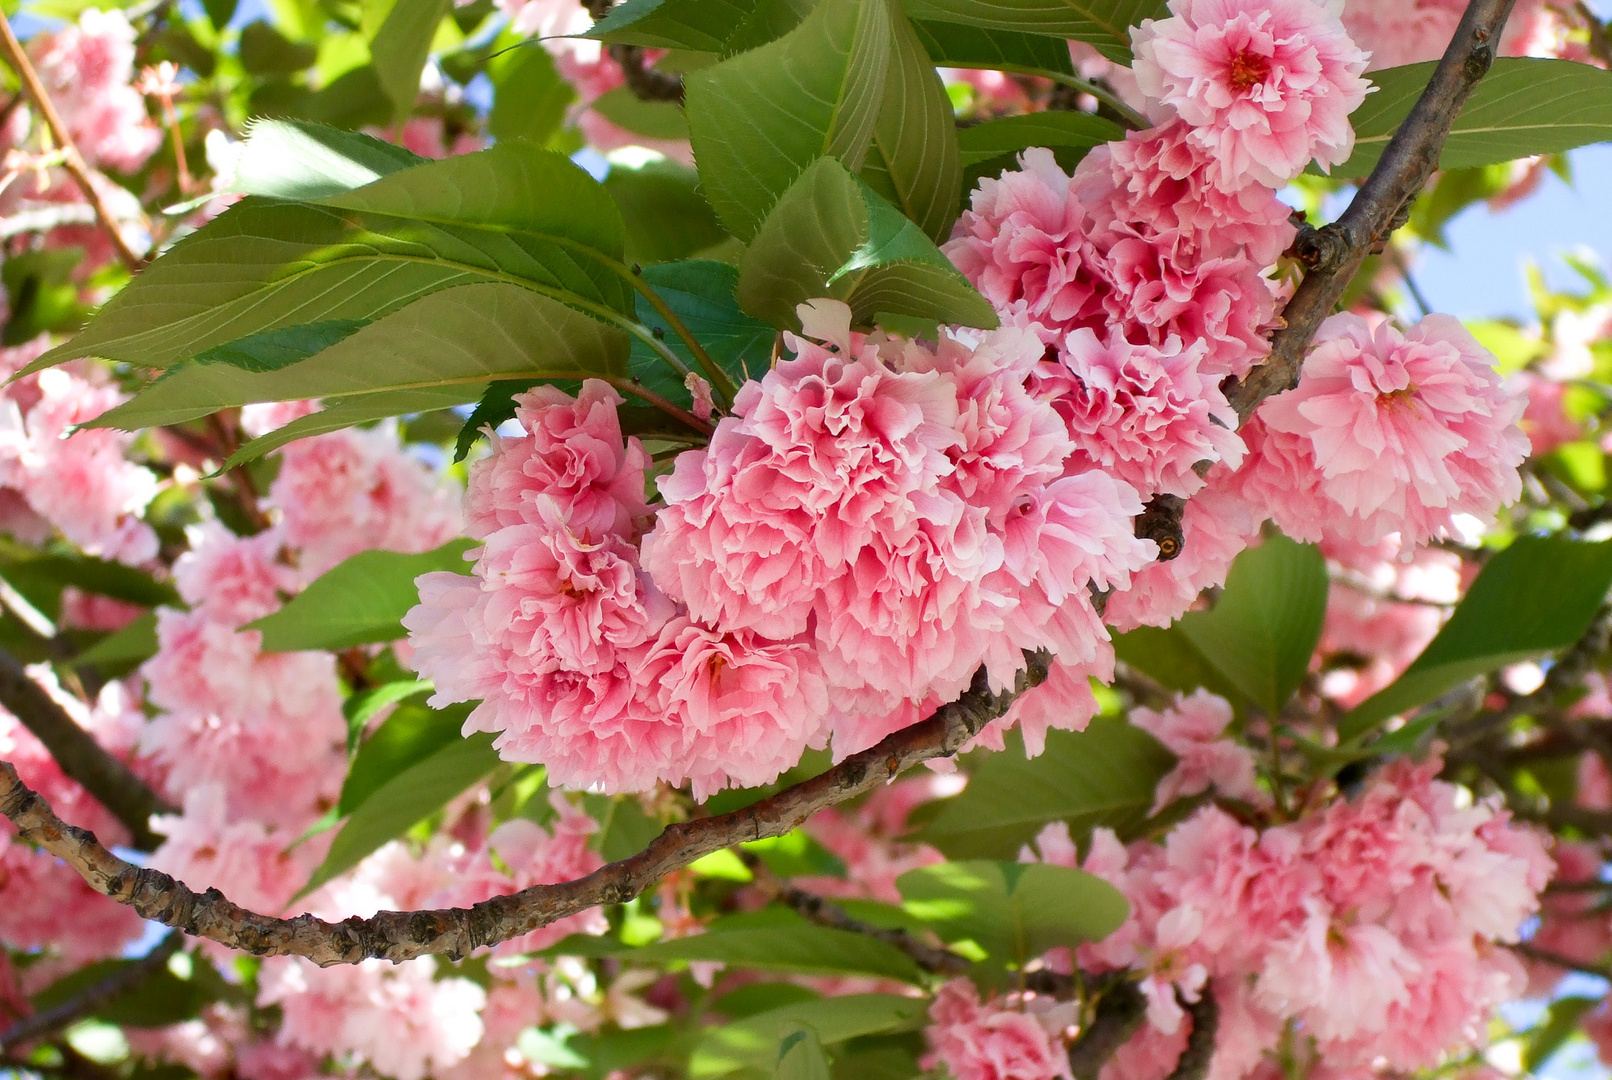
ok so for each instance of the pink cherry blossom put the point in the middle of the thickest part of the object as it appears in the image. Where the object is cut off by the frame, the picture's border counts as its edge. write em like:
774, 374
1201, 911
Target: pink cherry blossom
573, 452
976, 1041
258, 866
1265, 86
1194, 731
1145, 414
1387, 432
87, 69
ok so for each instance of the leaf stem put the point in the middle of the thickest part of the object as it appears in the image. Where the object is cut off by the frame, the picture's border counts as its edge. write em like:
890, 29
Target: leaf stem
720, 379
1133, 119
638, 391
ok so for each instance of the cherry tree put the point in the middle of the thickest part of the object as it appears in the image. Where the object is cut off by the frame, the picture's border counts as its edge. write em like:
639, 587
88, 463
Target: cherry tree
704, 539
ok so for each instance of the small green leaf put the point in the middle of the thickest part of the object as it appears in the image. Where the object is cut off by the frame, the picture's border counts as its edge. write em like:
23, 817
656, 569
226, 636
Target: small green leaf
753, 1042
994, 146
362, 707
360, 601
954, 45
404, 800
264, 51
1263, 628
159, 999
796, 854
529, 95
1014, 911
831, 235
666, 217
123, 649
1104, 24
719, 26
410, 735
1522, 107
400, 47
702, 294
1103, 776
1546, 1037
801, 1057
41, 293
793, 944
274, 349
624, 828
1534, 598
758, 120
295, 159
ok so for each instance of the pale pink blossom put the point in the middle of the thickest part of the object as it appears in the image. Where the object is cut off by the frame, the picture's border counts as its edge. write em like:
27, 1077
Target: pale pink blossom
233, 579
357, 490
82, 484
46, 905
399, 1019
87, 68
976, 1041
257, 866
1062, 253
1545, 418
1194, 730
572, 452
1266, 86
1387, 432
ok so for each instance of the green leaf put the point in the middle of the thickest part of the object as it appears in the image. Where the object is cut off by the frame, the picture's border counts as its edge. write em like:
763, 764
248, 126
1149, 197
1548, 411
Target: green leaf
1169, 656
702, 294
1104, 24
1523, 106
438, 352
1534, 598
796, 854
529, 95
347, 413
295, 159
801, 1057
274, 349
652, 119
913, 161
666, 217
264, 51
1263, 628
159, 999
495, 406
831, 235
991, 147
122, 650
404, 800
412, 734
952, 45
719, 26
1014, 911
512, 218
792, 945
756, 121
41, 293
362, 707
1103, 776
360, 601
753, 1042
400, 47
1558, 1025
624, 828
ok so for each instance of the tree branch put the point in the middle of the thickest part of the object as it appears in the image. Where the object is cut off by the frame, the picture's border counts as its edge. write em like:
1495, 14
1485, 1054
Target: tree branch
94, 997
455, 932
81, 758
1335, 253
72, 160
1119, 1014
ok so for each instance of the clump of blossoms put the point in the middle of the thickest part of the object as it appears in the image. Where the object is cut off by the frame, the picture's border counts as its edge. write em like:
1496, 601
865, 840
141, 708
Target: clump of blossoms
874, 521
1375, 926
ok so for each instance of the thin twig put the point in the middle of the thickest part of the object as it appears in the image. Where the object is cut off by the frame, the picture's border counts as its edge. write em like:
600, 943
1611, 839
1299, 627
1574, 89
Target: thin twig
1118, 1016
72, 160
74, 1008
455, 932
81, 758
